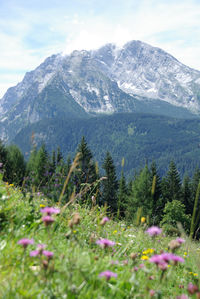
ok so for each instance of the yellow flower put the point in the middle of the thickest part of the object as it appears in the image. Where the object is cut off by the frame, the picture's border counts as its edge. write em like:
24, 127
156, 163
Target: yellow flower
185, 253
114, 232
143, 219
148, 251
74, 231
42, 206
144, 257
195, 274
11, 185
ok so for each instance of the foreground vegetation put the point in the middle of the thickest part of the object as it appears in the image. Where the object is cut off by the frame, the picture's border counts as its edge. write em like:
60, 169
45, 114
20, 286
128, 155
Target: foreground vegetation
86, 253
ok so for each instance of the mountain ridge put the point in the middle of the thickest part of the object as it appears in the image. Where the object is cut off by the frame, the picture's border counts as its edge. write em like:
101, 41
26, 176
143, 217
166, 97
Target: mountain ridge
134, 78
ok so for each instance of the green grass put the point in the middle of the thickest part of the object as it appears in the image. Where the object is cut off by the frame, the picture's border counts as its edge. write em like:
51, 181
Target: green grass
74, 270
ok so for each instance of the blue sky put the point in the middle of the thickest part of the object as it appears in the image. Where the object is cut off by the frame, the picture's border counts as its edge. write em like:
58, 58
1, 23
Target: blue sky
31, 30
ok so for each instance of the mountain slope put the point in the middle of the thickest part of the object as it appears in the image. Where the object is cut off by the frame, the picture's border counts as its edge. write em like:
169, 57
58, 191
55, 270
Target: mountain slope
134, 78
136, 137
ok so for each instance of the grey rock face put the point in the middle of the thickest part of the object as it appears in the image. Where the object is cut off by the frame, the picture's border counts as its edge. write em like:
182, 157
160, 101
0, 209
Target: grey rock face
107, 80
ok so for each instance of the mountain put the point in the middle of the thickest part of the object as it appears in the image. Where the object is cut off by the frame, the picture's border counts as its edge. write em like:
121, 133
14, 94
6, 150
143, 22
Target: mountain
134, 78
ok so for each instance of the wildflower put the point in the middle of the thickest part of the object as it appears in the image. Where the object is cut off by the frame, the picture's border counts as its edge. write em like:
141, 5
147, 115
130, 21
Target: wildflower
143, 219
47, 220
154, 231
34, 253
133, 256
174, 244
152, 293
180, 240
76, 218
135, 269
1, 165
108, 274
104, 220
182, 296
192, 288
144, 257
42, 206
41, 246
148, 251
25, 242
48, 254
50, 210
114, 232
105, 243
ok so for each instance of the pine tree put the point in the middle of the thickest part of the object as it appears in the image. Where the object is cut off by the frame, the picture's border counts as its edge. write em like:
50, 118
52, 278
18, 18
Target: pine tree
87, 171
3, 158
171, 185
110, 184
141, 195
15, 168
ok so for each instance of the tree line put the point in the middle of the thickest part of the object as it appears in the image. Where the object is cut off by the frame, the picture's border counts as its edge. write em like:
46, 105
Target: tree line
162, 201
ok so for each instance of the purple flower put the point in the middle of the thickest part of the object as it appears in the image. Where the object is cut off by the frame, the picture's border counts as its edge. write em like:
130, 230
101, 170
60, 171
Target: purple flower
156, 259
50, 210
34, 253
164, 258
104, 220
25, 242
47, 220
105, 243
108, 274
41, 246
180, 240
154, 231
48, 254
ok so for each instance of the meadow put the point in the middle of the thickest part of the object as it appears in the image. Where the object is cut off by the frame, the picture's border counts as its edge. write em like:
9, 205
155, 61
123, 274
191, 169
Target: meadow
78, 251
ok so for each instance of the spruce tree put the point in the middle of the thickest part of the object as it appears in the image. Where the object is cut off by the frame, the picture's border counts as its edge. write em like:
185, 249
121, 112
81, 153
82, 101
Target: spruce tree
141, 195
15, 168
110, 184
87, 171
171, 185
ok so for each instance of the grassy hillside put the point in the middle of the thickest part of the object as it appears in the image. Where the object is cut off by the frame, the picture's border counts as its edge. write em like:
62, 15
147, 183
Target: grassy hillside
136, 137
76, 259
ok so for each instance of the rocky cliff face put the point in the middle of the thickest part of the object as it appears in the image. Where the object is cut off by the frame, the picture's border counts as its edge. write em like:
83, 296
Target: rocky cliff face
111, 79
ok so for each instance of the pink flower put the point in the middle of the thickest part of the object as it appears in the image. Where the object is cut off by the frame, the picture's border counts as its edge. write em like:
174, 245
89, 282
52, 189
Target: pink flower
180, 240
156, 259
34, 253
152, 293
154, 231
182, 296
192, 288
48, 254
41, 246
50, 210
47, 220
105, 243
25, 242
104, 220
108, 274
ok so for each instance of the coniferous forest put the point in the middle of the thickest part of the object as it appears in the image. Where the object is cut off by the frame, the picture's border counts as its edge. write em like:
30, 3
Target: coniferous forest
164, 201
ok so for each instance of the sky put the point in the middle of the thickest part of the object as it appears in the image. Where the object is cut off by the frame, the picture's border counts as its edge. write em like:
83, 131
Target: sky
32, 30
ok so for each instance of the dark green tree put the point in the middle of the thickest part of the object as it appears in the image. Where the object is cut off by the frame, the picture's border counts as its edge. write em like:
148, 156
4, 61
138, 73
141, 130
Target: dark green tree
110, 184
171, 184
86, 174
141, 195
15, 167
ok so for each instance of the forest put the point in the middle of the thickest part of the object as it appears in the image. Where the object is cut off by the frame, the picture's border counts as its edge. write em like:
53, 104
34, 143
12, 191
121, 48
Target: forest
163, 201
